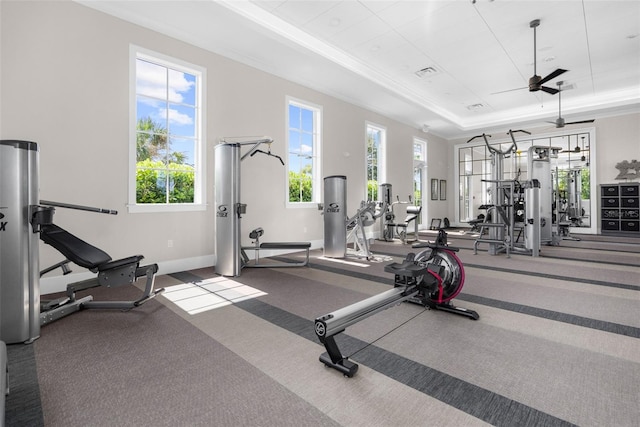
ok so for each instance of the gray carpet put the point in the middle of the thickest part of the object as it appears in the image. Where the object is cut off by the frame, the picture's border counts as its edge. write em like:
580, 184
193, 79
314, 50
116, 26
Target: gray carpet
149, 367
557, 344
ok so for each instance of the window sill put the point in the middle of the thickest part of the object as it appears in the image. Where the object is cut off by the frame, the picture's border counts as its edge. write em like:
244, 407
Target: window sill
178, 207
302, 205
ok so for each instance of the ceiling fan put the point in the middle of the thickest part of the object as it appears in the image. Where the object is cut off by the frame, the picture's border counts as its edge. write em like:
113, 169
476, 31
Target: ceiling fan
560, 123
536, 82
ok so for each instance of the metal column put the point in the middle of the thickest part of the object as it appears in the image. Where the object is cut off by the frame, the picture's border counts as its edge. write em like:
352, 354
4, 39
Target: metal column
19, 251
228, 209
539, 167
335, 216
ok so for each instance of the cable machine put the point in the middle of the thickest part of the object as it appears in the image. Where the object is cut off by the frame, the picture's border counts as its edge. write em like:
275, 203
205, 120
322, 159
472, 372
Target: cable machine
231, 255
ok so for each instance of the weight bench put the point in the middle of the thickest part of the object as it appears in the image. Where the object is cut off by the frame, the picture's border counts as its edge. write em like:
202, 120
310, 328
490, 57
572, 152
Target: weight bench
109, 273
257, 246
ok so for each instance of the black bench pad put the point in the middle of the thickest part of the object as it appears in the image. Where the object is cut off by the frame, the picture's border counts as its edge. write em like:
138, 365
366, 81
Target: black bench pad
285, 245
74, 249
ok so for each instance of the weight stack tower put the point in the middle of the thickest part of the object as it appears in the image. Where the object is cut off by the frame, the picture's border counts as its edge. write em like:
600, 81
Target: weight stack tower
228, 209
19, 251
335, 216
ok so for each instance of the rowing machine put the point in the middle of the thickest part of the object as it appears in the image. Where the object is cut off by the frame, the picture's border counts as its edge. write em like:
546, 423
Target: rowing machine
432, 278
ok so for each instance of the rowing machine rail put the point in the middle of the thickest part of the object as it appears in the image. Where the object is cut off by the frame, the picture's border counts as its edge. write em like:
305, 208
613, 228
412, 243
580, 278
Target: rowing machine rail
331, 324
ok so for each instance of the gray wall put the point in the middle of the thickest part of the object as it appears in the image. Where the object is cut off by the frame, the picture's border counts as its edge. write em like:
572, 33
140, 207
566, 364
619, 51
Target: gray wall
65, 85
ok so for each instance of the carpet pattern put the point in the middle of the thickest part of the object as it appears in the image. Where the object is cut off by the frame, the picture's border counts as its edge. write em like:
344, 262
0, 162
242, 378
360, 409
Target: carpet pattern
557, 343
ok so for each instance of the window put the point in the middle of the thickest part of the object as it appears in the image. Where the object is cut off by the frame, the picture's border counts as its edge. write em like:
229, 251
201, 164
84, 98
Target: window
419, 172
376, 137
304, 142
167, 134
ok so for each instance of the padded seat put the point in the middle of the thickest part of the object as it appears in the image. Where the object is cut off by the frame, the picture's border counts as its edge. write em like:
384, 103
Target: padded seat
74, 249
285, 245
255, 234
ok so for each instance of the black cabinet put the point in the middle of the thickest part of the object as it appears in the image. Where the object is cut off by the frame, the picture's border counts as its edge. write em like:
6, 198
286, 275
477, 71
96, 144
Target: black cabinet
620, 208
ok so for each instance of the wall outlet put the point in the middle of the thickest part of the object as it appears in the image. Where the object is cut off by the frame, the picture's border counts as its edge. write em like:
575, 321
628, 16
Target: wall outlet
169, 243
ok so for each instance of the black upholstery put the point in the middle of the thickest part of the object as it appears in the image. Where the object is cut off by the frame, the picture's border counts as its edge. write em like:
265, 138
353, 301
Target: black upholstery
74, 249
285, 245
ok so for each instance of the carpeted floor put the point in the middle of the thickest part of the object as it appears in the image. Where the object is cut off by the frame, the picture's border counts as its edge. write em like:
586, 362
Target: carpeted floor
557, 343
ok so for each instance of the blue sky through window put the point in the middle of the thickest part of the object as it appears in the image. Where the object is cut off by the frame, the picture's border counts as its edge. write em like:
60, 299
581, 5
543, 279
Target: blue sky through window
168, 98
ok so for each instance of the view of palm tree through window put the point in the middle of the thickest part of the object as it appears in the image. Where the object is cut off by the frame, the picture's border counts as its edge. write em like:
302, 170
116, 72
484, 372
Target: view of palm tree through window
166, 134
302, 153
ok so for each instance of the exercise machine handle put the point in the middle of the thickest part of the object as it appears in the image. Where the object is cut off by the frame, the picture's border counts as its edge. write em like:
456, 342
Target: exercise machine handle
79, 207
268, 154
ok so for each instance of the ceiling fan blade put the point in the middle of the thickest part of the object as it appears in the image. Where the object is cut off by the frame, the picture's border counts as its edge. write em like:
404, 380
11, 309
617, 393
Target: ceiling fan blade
510, 90
580, 122
550, 90
552, 76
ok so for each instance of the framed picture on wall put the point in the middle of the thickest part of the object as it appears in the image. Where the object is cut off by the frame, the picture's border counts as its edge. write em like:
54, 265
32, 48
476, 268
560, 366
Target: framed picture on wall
434, 189
443, 189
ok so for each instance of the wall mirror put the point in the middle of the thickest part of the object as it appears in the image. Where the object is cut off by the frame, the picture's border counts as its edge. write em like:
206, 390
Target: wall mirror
572, 175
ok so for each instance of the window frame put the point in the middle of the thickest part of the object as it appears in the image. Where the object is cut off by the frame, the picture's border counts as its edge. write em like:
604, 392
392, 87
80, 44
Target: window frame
200, 172
382, 156
316, 168
421, 165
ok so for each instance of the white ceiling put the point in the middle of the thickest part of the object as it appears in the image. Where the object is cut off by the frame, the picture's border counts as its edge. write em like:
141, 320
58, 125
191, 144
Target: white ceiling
368, 52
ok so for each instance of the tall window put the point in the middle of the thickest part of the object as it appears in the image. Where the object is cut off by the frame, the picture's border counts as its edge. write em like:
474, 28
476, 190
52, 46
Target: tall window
419, 172
376, 137
168, 136
304, 124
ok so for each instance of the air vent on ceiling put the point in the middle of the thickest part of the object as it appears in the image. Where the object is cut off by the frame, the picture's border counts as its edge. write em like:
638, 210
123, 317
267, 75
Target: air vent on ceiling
474, 107
427, 71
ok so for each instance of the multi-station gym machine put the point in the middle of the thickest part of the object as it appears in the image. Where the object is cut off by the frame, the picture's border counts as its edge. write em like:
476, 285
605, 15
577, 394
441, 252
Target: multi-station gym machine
24, 220
231, 255
518, 208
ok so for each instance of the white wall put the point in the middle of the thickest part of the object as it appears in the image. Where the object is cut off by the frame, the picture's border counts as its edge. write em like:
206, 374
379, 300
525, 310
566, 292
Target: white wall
618, 140
65, 85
